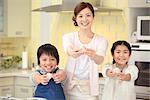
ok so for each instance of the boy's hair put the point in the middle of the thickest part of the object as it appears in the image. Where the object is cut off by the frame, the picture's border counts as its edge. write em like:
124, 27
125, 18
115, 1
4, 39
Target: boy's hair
117, 43
47, 49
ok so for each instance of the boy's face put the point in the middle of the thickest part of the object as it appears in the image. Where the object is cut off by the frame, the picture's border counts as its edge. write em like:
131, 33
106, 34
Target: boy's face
47, 62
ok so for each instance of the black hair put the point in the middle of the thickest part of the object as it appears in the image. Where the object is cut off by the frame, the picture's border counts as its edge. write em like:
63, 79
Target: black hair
117, 43
49, 50
80, 7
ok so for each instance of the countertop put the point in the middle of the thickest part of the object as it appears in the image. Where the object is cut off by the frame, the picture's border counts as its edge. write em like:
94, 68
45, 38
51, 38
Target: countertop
15, 72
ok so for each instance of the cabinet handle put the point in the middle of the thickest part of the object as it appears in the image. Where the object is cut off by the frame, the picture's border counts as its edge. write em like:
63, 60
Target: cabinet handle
24, 90
19, 32
6, 89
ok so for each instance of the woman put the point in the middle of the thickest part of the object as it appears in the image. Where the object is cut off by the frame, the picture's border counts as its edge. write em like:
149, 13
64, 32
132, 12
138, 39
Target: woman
85, 50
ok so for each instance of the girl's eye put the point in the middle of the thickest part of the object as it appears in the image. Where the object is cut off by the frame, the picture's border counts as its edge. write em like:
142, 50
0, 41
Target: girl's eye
117, 52
126, 52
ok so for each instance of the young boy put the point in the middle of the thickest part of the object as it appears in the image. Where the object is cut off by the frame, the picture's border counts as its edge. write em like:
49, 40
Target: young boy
46, 80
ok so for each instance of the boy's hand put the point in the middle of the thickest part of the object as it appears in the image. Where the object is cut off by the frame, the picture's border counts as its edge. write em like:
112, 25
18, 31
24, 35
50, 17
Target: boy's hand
59, 76
43, 79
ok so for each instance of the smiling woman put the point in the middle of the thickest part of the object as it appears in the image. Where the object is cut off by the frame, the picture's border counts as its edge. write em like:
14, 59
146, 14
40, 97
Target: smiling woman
85, 51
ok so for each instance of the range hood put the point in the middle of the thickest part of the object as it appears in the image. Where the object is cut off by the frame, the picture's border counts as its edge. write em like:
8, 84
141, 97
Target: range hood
69, 5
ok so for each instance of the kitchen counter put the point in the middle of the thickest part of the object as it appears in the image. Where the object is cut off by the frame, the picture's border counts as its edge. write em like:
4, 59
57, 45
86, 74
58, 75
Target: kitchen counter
16, 83
15, 72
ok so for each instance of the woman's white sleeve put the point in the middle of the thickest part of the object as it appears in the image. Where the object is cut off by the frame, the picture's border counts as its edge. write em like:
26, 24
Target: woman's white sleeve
104, 69
66, 42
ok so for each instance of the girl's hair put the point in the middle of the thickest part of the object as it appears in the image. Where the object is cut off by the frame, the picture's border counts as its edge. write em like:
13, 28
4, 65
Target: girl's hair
80, 7
47, 49
117, 43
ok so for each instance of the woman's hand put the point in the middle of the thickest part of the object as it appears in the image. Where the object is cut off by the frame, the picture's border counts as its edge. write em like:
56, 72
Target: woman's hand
75, 52
93, 56
59, 76
89, 52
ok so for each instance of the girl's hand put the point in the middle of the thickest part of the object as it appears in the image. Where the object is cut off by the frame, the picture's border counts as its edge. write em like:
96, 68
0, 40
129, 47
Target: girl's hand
43, 79
124, 77
59, 76
110, 73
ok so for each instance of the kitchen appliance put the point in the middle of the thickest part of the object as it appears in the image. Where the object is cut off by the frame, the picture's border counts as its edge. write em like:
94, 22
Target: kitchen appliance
143, 28
140, 57
69, 5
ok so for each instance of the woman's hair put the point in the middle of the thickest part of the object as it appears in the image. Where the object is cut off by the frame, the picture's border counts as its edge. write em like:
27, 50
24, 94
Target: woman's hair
47, 49
117, 43
80, 7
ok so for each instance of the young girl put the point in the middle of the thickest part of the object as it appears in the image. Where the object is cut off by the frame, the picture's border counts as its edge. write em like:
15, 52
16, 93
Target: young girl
47, 78
85, 51
120, 76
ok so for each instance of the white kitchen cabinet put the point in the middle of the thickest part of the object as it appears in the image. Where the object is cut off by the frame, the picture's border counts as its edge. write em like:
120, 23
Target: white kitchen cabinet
23, 87
139, 3
16, 86
15, 18
136, 8
6, 86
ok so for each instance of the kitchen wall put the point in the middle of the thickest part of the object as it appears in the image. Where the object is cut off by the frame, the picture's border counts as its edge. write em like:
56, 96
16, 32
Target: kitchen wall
111, 25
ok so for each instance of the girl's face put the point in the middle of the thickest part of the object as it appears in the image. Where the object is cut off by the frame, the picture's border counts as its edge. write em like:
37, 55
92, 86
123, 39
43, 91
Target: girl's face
47, 62
121, 55
85, 18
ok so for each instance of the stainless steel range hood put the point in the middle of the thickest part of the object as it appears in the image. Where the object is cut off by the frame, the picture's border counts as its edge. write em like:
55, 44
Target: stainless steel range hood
69, 5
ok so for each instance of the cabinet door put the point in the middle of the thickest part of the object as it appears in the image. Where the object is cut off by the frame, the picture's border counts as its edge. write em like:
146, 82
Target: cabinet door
7, 91
139, 3
18, 18
23, 92
23, 87
2, 18
101, 91
6, 86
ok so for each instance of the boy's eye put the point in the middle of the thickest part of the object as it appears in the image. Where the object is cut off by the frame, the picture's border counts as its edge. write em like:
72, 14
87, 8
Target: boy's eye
52, 59
44, 59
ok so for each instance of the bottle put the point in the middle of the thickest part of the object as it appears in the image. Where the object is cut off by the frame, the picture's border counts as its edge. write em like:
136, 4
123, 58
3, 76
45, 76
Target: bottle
24, 59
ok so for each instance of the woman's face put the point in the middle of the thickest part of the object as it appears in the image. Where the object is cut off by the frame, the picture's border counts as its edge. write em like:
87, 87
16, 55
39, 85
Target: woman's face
85, 18
47, 62
121, 55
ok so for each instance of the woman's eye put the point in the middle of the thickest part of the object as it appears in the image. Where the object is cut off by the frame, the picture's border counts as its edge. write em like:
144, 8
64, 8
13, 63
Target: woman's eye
88, 15
117, 52
80, 16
